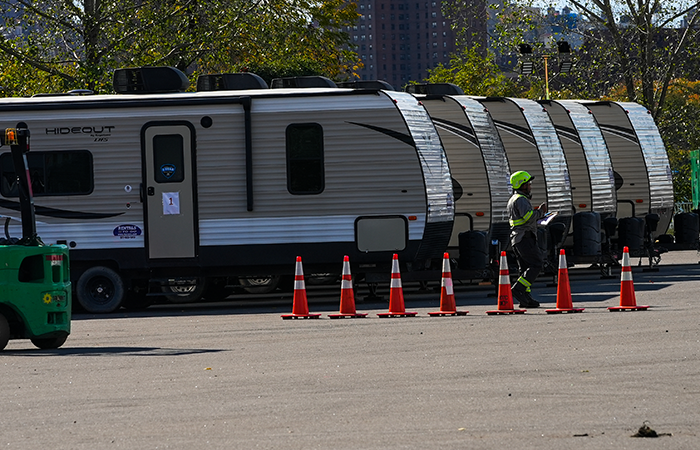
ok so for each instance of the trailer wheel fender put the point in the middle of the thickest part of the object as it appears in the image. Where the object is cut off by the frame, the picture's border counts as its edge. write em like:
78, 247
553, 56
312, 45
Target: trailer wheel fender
50, 343
4, 332
100, 290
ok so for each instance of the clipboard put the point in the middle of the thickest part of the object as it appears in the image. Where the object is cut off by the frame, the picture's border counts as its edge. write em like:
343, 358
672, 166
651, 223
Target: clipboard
547, 219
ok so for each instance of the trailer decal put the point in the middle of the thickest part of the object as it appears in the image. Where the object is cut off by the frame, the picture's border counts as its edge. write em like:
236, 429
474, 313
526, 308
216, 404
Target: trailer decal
127, 231
391, 133
59, 213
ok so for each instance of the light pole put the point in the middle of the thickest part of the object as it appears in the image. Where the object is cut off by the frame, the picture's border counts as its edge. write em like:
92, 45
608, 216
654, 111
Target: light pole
527, 62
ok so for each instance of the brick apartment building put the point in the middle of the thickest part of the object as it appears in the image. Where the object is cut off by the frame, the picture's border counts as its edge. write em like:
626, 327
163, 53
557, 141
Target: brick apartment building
398, 41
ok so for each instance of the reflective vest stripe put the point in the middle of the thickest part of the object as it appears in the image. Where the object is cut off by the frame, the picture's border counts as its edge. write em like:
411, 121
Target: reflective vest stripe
523, 221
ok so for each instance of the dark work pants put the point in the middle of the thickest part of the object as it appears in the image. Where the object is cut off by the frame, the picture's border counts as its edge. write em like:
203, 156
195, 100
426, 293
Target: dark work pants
530, 258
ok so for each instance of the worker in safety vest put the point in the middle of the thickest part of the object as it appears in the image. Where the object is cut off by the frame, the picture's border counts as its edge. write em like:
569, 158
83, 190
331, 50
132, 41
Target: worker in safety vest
523, 237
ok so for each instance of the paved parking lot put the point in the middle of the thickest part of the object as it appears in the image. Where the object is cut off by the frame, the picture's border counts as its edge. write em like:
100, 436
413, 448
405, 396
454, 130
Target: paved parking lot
234, 375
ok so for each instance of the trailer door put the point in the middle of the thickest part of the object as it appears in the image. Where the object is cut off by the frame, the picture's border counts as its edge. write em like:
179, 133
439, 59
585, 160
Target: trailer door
170, 213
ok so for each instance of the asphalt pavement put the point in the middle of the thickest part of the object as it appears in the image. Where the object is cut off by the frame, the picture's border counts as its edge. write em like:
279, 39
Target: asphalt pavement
235, 375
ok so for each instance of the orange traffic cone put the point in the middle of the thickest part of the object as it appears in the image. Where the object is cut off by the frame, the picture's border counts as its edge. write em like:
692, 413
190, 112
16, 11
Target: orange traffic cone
628, 301
300, 308
396, 303
347, 295
564, 303
505, 296
448, 305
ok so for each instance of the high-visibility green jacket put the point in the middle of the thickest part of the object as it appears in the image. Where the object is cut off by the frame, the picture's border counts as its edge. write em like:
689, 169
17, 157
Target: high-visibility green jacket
523, 217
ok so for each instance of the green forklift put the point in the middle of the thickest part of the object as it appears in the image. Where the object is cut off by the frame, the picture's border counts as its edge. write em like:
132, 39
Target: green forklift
35, 288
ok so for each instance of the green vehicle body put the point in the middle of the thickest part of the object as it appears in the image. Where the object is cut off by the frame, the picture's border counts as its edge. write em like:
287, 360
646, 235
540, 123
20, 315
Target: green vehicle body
35, 294
35, 288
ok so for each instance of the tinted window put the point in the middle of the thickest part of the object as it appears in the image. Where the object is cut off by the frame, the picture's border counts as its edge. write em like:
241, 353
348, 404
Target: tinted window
52, 173
168, 158
305, 173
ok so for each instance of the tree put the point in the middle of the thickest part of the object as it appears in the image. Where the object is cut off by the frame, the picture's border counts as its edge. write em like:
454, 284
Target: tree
475, 74
644, 43
77, 43
678, 124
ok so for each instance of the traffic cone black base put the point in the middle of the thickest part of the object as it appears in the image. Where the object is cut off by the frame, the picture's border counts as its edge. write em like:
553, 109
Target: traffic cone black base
397, 314
506, 311
448, 313
628, 308
300, 316
564, 311
347, 316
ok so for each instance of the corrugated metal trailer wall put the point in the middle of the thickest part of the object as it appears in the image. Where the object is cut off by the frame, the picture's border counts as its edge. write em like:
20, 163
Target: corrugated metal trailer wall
590, 167
477, 162
642, 171
531, 144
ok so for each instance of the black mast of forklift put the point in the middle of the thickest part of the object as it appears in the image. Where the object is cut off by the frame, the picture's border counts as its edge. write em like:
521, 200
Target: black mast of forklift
19, 145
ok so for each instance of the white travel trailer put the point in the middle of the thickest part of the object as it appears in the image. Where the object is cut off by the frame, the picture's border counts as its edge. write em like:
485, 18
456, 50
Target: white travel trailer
642, 171
592, 180
531, 144
478, 164
590, 167
147, 188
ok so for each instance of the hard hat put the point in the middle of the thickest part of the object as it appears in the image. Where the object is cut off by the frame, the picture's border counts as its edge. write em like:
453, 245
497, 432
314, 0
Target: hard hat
517, 179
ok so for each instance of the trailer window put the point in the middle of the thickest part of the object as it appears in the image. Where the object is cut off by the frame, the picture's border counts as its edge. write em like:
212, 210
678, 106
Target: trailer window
168, 158
305, 172
52, 173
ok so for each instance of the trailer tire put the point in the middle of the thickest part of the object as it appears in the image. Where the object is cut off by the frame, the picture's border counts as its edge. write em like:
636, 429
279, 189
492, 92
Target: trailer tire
260, 284
100, 290
50, 343
190, 290
4, 332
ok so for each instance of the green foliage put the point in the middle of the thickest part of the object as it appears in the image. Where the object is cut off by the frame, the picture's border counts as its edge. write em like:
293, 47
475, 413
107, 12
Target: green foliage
679, 125
67, 44
475, 74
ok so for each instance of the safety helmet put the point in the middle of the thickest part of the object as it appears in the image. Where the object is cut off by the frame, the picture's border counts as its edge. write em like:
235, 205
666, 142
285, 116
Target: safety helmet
517, 179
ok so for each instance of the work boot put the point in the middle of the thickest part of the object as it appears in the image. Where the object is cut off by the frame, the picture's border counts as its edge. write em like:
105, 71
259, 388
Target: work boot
520, 293
531, 302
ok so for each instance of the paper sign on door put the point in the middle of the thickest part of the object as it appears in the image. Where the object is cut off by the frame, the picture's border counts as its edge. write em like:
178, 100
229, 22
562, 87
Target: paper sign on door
171, 203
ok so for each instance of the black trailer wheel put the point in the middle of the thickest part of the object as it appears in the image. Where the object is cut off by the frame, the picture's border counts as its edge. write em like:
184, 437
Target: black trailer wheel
4, 332
185, 290
259, 284
100, 290
50, 343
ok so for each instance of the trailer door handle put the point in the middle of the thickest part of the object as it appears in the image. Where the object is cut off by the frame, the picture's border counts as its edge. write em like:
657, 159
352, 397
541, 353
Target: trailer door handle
151, 191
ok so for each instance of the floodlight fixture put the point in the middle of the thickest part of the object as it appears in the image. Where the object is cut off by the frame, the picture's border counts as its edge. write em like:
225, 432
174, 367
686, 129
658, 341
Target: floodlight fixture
563, 47
525, 49
565, 66
527, 67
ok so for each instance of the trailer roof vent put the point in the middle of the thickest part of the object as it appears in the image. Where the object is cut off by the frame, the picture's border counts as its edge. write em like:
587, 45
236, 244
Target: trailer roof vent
230, 82
149, 80
302, 82
435, 89
366, 84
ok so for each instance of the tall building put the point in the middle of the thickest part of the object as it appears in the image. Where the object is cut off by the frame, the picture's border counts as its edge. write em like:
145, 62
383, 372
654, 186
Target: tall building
398, 41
